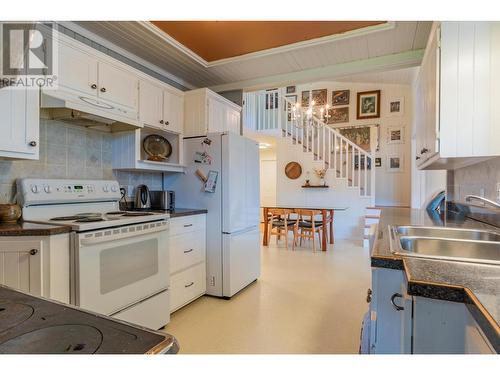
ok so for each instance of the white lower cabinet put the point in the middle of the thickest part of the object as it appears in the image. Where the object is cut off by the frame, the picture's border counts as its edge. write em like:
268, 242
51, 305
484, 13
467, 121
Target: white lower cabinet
390, 313
403, 324
187, 260
36, 265
443, 327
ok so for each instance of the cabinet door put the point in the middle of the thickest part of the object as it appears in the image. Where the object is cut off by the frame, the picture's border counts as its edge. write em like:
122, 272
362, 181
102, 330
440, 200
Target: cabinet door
20, 265
118, 86
392, 311
20, 123
232, 121
429, 100
150, 104
173, 111
77, 71
216, 116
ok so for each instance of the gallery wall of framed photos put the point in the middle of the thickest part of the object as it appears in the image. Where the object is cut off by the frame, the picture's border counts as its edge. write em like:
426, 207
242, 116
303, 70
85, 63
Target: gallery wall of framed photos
384, 107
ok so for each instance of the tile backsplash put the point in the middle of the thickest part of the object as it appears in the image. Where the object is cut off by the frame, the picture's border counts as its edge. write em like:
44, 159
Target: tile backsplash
475, 179
71, 151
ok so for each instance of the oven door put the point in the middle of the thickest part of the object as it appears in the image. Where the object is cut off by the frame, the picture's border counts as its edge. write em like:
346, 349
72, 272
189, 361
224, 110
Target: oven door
117, 267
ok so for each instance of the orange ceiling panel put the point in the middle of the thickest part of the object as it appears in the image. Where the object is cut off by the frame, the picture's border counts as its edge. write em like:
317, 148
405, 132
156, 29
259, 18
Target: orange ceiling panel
215, 40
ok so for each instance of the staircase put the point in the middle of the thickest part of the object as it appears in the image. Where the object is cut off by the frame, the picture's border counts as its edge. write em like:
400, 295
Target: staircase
272, 112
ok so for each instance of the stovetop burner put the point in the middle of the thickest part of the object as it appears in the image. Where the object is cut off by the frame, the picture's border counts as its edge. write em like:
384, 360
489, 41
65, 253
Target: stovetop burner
31, 325
85, 215
59, 339
138, 214
89, 219
12, 314
66, 218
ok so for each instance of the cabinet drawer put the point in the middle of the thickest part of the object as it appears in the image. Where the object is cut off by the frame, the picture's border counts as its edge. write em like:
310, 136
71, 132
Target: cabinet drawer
186, 286
187, 224
186, 250
152, 313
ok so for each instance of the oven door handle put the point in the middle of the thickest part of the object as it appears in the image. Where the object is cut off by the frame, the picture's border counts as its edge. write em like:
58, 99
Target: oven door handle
113, 237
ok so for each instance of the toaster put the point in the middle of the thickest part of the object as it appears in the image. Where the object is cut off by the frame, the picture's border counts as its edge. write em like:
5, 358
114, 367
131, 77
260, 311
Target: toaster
163, 199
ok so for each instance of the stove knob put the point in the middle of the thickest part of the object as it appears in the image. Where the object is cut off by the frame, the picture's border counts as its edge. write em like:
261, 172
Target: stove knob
47, 189
105, 188
114, 189
35, 189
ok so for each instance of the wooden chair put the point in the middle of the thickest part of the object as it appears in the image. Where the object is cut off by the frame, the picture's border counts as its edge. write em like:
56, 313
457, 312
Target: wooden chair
307, 226
280, 224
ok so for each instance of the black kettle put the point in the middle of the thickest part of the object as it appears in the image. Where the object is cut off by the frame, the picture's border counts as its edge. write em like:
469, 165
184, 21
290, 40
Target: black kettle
142, 197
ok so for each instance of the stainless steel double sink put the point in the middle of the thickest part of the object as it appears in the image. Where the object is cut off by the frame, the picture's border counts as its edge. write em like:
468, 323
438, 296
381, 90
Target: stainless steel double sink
469, 245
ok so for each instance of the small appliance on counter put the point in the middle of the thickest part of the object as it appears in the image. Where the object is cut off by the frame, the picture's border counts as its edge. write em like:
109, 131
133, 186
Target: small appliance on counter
142, 197
163, 200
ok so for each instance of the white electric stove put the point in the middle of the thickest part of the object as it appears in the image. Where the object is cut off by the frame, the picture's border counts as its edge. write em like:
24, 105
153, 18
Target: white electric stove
120, 259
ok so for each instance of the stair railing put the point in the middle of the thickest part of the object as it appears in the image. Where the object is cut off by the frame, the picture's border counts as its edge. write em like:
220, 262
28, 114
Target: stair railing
347, 159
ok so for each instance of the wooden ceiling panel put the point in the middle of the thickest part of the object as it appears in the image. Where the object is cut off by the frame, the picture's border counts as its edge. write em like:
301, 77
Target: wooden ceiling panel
216, 40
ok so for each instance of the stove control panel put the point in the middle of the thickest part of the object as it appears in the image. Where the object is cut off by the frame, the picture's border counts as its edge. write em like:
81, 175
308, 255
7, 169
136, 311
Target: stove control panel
32, 191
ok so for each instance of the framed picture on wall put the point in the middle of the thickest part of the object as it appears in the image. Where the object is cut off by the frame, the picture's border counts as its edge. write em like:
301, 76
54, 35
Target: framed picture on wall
378, 162
305, 96
395, 134
320, 97
290, 89
396, 106
293, 99
368, 105
338, 115
395, 163
340, 97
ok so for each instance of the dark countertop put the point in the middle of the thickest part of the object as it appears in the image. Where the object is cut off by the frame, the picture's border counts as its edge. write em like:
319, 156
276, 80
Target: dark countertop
178, 212
22, 228
35, 325
477, 285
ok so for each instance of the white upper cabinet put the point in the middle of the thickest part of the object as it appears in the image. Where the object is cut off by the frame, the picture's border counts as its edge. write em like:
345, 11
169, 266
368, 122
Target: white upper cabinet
173, 111
159, 107
207, 112
150, 104
458, 89
19, 127
117, 85
77, 70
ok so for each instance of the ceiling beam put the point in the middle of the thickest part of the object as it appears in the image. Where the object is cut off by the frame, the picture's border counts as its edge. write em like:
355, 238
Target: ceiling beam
375, 64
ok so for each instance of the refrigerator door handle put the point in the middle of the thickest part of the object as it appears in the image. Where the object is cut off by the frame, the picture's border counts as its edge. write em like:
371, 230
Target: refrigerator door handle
248, 229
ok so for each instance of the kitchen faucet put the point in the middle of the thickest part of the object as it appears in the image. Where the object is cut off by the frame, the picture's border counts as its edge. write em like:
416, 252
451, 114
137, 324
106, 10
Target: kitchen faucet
485, 201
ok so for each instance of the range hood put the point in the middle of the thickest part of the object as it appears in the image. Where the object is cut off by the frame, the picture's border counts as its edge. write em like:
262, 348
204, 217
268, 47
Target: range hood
88, 112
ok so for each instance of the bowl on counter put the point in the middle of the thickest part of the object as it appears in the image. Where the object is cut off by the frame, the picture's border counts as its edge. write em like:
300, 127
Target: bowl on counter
10, 213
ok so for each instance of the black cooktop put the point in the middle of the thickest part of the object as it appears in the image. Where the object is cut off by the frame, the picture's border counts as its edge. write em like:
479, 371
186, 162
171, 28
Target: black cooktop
31, 325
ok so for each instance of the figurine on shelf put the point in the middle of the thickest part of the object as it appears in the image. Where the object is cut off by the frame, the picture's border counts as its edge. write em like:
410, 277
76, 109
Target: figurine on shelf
307, 179
321, 173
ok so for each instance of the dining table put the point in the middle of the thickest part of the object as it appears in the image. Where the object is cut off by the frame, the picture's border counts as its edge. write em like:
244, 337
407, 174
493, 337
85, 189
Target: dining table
327, 215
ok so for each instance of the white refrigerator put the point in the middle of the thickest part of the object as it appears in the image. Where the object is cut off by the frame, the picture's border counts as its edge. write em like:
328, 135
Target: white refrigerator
233, 240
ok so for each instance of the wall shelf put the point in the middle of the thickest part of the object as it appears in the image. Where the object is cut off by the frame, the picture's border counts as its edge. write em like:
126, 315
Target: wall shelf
315, 186
128, 153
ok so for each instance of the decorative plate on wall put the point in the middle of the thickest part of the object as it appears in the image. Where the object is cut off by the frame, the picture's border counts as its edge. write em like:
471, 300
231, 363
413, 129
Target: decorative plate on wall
293, 170
157, 147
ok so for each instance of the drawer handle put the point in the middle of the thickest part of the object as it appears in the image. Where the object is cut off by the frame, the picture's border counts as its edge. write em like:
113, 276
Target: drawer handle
188, 285
188, 225
187, 251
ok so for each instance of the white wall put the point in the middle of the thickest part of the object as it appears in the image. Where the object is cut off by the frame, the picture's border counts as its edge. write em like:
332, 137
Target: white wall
392, 189
349, 223
268, 177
